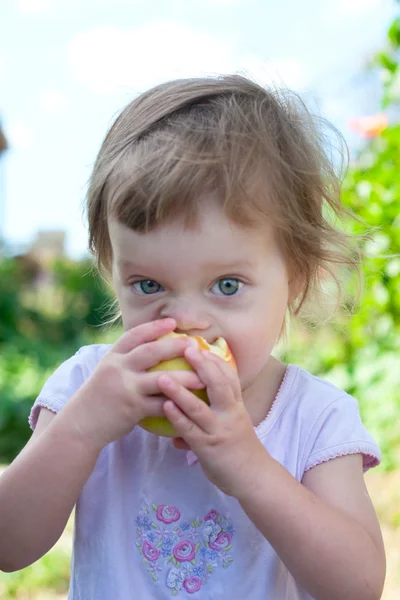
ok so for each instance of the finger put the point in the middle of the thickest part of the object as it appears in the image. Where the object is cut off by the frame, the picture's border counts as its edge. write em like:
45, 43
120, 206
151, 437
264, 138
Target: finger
185, 428
148, 355
152, 407
195, 410
148, 385
180, 444
147, 332
222, 387
227, 371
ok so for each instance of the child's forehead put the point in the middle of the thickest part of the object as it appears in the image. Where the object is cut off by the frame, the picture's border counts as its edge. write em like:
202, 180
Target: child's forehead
210, 223
212, 240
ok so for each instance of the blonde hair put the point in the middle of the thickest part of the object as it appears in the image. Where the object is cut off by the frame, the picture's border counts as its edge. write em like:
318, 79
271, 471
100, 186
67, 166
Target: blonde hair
258, 150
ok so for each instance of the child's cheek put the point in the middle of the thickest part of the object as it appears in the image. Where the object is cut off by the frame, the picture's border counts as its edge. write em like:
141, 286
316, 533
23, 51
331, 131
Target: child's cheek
250, 357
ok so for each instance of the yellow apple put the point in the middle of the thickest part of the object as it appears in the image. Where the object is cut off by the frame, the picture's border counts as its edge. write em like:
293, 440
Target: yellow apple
161, 425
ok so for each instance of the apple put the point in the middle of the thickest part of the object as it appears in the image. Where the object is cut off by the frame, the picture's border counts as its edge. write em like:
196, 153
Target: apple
161, 425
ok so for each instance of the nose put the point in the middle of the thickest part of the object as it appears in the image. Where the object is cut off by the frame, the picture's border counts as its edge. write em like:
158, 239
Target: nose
189, 317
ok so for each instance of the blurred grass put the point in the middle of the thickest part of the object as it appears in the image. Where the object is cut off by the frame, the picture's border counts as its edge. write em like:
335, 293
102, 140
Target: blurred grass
46, 579
384, 489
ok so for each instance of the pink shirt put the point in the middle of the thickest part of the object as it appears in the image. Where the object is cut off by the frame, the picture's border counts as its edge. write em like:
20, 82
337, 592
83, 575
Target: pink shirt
150, 526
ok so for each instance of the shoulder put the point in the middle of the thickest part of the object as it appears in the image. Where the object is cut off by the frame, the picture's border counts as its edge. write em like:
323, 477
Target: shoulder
322, 421
80, 365
311, 388
314, 397
333, 423
305, 397
89, 356
67, 379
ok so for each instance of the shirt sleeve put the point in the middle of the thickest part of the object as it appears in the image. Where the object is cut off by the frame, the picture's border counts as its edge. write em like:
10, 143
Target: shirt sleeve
61, 385
339, 431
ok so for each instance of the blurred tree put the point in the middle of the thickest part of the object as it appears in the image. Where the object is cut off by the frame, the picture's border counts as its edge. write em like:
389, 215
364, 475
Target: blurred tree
361, 354
388, 61
45, 318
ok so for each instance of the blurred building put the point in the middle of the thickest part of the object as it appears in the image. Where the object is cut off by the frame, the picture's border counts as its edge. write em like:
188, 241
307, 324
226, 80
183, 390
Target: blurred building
47, 246
35, 263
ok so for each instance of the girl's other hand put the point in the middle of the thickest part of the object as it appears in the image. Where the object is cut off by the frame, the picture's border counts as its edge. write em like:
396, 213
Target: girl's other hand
222, 434
120, 392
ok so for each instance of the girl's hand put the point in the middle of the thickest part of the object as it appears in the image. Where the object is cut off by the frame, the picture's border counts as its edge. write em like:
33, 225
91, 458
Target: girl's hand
120, 393
221, 435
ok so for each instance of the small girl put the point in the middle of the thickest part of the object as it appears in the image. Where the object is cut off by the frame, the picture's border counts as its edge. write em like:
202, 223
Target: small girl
211, 209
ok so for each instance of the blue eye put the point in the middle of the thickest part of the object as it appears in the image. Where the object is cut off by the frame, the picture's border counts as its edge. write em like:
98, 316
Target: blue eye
146, 286
227, 287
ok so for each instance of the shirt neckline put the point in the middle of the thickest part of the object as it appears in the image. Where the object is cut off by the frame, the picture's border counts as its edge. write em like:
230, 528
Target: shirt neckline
282, 397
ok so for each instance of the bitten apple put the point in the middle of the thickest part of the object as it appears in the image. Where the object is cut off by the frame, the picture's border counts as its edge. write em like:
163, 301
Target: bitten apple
161, 425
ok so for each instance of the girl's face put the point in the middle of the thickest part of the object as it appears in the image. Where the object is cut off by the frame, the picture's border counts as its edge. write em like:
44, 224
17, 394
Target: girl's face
218, 279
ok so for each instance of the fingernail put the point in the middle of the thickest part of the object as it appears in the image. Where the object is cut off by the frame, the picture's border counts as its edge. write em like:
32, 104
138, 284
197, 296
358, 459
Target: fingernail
170, 322
192, 351
191, 343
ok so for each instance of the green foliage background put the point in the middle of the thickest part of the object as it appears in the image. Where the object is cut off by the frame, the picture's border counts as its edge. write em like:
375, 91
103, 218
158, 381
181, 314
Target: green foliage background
361, 354
39, 328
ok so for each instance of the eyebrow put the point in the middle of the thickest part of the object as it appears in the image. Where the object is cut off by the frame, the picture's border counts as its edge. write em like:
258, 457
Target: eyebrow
126, 263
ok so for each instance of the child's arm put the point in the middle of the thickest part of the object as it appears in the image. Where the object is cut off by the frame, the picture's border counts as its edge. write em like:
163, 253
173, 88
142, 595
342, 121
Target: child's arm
54, 466
325, 531
39, 489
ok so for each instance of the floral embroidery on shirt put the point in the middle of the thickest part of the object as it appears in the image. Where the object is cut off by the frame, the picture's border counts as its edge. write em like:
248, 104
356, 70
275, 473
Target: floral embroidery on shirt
185, 553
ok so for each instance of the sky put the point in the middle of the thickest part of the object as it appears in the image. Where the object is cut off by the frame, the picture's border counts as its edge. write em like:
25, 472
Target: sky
68, 68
